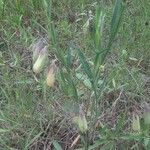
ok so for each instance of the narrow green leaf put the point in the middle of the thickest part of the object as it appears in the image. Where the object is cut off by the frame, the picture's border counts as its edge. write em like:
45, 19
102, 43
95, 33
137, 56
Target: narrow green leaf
68, 84
53, 34
120, 124
84, 79
63, 82
3, 130
57, 145
115, 21
108, 146
2, 120
85, 65
61, 57
146, 141
97, 144
99, 20
97, 63
132, 136
47, 7
30, 141
117, 13
69, 58
97, 38
72, 86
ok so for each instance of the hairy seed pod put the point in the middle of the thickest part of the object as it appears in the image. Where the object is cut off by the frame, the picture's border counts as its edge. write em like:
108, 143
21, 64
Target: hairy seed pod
136, 123
50, 80
37, 48
41, 60
81, 121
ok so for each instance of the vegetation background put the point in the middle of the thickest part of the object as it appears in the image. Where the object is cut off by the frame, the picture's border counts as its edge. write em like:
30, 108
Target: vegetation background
102, 84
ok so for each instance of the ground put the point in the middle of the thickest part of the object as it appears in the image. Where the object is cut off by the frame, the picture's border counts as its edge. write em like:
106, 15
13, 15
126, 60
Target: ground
108, 92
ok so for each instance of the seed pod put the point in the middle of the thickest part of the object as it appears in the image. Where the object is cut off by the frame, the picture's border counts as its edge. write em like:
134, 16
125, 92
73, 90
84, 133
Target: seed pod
50, 80
41, 60
81, 121
147, 114
37, 48
136, 123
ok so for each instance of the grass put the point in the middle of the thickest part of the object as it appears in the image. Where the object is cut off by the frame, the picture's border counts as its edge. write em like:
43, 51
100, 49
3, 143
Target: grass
101, 93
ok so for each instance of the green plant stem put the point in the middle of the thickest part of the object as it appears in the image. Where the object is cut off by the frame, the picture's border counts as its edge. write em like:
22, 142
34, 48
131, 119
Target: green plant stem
86, 141
44, 91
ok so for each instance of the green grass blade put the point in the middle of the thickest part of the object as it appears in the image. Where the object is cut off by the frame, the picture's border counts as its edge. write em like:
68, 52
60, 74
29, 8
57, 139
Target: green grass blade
99, 21
30, 141
57, 145
67, 83
3, 130
47, 6
69, 58
114, 25
72, 86
117, 13
97, 144
85, 65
